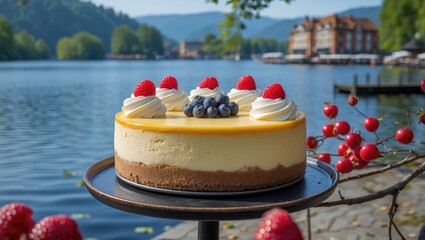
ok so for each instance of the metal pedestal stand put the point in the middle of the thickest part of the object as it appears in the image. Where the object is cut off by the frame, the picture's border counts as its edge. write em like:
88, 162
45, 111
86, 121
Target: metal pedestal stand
318, 184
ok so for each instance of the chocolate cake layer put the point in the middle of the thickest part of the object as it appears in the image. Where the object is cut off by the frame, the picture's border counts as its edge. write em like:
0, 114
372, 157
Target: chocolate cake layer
171, 177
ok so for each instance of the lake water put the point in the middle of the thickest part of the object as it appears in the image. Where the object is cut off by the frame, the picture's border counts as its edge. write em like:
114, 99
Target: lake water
59, 116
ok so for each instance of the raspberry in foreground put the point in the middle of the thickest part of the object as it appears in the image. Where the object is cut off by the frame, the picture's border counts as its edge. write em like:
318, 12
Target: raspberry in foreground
55, 227
15, 220
277, 224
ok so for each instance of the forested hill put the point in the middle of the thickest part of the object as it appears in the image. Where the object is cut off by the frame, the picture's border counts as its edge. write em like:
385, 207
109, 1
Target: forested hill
54, 19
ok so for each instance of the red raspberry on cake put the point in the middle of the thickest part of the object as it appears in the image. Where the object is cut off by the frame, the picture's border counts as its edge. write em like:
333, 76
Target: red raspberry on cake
15, 220
169, 82
277, 224
246, 83
274, 91
55, 227
209, 82
145, 88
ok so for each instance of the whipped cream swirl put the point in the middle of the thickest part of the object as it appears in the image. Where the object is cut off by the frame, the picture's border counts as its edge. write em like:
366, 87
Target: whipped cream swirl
273, 110
143, 107
206, 92
173, 99
244, 98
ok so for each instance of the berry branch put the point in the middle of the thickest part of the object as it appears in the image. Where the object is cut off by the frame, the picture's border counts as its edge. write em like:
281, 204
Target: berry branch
380, 194
408, 159
355, 154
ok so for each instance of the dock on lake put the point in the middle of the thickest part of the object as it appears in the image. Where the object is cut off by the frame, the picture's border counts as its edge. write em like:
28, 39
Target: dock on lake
377, 88
366, 89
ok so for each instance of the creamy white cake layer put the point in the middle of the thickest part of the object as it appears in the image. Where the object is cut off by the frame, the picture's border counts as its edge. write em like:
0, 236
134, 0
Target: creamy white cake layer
213, 152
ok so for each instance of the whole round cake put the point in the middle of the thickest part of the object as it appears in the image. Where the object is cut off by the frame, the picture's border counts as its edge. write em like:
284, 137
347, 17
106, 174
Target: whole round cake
210, 146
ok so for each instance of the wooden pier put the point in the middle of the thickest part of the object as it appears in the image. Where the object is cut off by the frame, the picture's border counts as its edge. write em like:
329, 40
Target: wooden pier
369, 89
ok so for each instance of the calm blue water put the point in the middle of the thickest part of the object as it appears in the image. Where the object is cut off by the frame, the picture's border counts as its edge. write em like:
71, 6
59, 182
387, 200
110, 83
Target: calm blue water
59, 116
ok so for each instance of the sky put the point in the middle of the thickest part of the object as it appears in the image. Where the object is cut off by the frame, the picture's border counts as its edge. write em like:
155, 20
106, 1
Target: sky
278, 8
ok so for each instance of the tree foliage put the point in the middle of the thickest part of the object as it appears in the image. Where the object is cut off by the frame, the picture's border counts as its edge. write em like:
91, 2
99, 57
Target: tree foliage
7, 43
81, 46
21, 46
401, 20
245, 47
124, 41
29, 48
151, 41
147, 41
241, 9
52, 19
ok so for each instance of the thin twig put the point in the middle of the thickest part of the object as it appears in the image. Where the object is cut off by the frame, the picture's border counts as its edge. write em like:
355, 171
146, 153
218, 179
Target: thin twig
380, 194
308, 224
409, 158
391, 213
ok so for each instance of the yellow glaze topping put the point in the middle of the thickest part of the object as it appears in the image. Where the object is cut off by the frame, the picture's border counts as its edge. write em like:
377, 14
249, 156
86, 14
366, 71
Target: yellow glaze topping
177, 122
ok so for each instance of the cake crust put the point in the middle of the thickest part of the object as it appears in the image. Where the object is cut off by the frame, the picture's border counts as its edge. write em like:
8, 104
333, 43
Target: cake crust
172, 177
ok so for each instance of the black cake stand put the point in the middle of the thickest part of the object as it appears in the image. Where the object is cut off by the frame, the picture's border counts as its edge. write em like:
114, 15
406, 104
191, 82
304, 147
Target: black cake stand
318, 183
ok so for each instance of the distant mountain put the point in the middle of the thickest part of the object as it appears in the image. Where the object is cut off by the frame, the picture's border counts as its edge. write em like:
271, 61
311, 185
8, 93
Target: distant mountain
196, 26
54, 19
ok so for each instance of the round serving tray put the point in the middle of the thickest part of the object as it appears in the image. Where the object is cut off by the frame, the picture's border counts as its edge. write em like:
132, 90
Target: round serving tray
318, 183
204, 193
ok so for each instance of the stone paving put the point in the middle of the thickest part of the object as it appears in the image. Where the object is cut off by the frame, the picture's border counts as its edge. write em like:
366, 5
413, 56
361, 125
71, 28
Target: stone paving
365, 221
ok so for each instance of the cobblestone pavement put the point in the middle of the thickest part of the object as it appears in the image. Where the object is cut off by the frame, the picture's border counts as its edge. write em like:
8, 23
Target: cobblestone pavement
364, 221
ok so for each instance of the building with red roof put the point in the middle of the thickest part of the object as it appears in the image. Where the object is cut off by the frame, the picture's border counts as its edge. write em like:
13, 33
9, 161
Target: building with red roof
334, 35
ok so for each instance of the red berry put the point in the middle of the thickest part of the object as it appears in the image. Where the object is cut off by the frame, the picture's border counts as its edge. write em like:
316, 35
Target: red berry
404, 135
329, 130
369, 152
357, 162
342, 149
209, 82
371, 124
246, 83
353, 140
277, 224
145, 88
342, 127
325, 157
274, 91
55, 227
311, 142
344, 165
169, 82
15, 220
353, 100
423, 85
330, 110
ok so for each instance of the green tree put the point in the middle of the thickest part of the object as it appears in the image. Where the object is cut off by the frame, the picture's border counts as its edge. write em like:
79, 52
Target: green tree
89, 46
66, 49
400, 21
7, 42
241, 9
233, 44
213, 44
82, 46
42, 49
151, 41
29, 48
420, 20
125, 41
